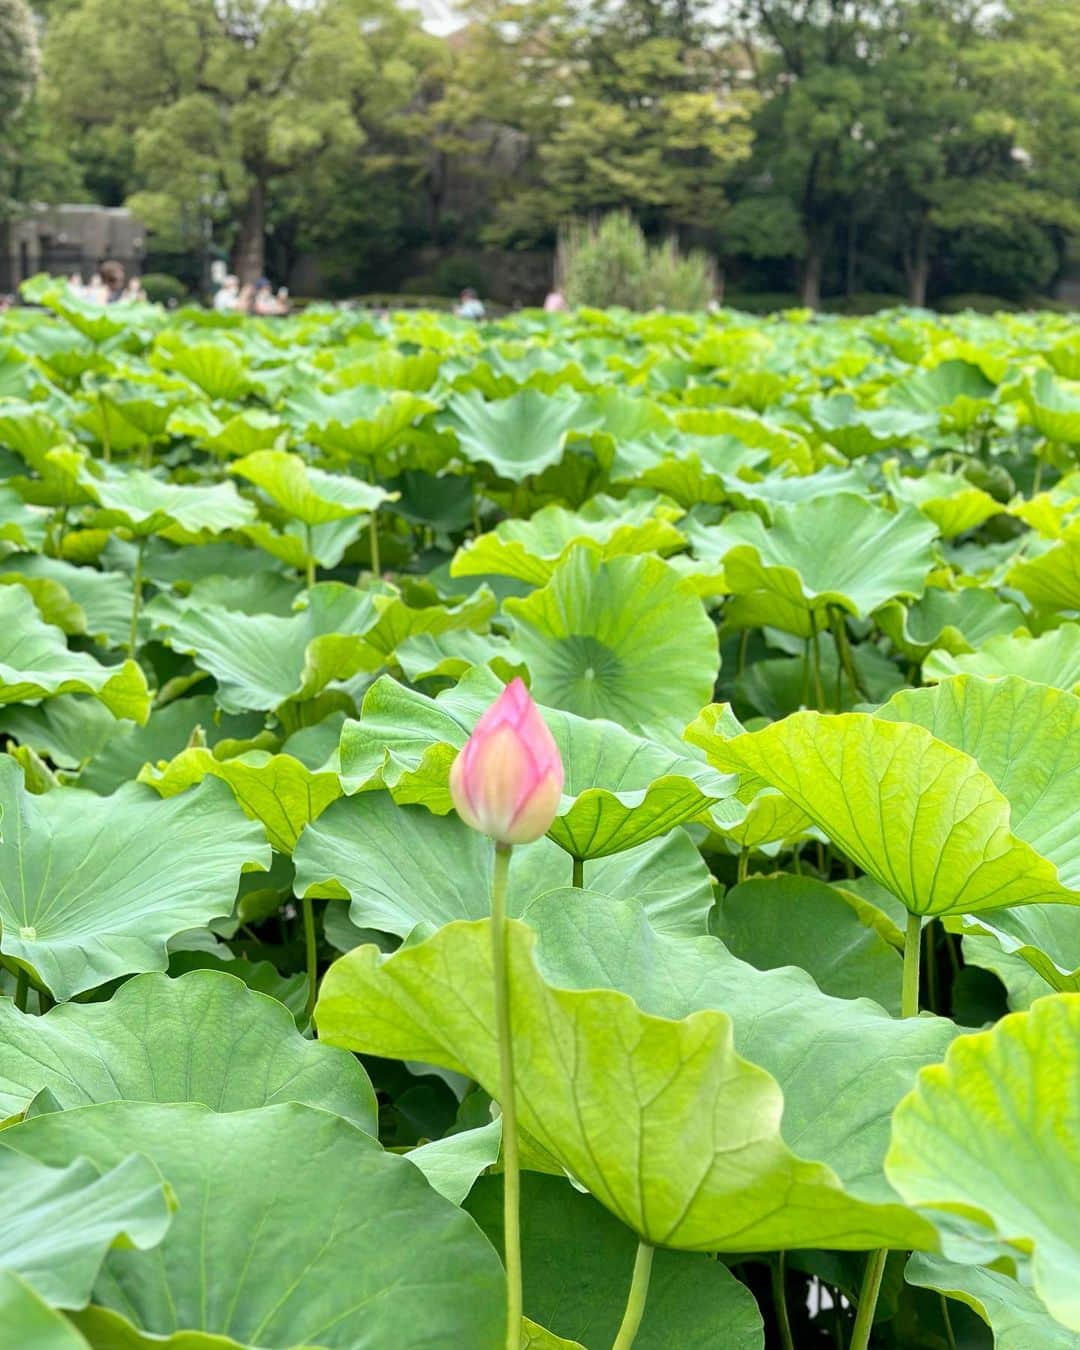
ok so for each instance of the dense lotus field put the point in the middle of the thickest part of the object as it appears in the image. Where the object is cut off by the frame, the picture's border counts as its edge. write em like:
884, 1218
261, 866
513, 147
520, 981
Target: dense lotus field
790, 979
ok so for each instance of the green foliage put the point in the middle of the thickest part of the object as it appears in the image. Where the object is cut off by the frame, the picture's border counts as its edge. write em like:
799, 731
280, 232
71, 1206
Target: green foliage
795, 598
610, 262
162, 289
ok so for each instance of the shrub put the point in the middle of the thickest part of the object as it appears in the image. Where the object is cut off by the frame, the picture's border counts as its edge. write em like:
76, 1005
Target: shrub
610, 262
163, 289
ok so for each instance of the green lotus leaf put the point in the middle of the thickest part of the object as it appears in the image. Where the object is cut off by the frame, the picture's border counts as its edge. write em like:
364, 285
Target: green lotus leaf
204, 1037
957, 392
764, 495
1045, 937
290, 544
536, 1337
21, 525
89, 319
450, 655
453, 1163
1054, 408
103, 599
692, 1299
398, 620
518, 436
379, 1259
1018, 1319
625, 639
532, 549
1026, 738
277, 790
917, 815
988, 1136
951, 501
263, 660
215, 368
1050, 513
1050, 658
356, 423
66, 1216
600, 1083
784, 446
29, 1320
401, 866
688, 470
1050, 580
786, 920
146, 505
839, 551
942, 624
92, 888
231, 434
35, 663
856, 431
312, 496
128, 417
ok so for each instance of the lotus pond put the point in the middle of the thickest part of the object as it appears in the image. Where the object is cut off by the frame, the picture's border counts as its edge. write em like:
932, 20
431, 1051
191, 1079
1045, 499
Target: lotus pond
792, 977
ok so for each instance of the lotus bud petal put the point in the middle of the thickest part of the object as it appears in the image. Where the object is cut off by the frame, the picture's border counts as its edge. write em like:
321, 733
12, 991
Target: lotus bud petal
508, 778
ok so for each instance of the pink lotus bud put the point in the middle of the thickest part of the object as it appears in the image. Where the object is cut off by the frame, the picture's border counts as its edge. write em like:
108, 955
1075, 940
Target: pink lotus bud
507, 780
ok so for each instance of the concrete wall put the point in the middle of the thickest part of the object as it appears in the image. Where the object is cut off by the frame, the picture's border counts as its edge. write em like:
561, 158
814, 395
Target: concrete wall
66, 239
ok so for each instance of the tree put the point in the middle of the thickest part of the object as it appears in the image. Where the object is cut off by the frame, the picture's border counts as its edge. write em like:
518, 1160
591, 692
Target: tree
204, 107
18, 75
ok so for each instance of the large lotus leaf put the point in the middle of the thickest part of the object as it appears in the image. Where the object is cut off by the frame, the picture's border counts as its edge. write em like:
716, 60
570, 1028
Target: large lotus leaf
532, 549
64, 1218
1050, 658
21, 525
1050, 513
1026, 739
619, 791
688, 469
951, 501
694, 1302
1046, 937
402, 866
126, 416
277, 790
356, 423
92, 888
1050, 580
379, 1259
30, 1322
955, 391
399, 620
450, 655
90, 319
786, 920
917, 814
205, 1037
838, 551
103, 598
1014, 1313
30, 430
35, 663
660, 1119
216, 368
856, 431
943, 623
1054, 408
453, 1163
990, 1135
312, 496
148, 505
625, 639
518, 436
784, 446
764, 495
263, 660
291, 545
240, 433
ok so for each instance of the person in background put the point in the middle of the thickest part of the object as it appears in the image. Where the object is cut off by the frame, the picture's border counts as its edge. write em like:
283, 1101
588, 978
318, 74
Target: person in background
228, 294
75, 286
134, 290
469, 306
94, 290
555, 301
112, 280
245, 301
283, 300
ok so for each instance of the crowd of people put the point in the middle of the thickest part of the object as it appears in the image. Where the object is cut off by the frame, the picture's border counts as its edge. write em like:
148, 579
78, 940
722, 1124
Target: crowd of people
260, 298
109, 285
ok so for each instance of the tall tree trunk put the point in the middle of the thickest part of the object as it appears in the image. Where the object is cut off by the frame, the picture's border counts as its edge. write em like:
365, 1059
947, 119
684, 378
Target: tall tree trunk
918, 269
250, 254
852, 255
813, 266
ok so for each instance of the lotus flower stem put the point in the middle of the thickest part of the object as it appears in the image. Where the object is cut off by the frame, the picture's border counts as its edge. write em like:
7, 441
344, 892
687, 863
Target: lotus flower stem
511, 1172
578, 878
22, 988
875, 1262
373, 538
783, 1322
815, 648
310, 557
136, 597
311, 955
868, 1297
635, 1300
